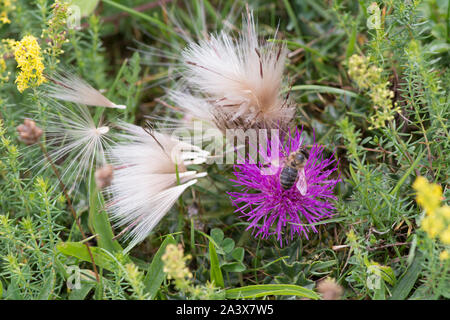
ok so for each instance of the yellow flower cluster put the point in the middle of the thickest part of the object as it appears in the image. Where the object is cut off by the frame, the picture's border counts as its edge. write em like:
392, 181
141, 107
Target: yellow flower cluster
6, 48
29, 60
437, 220
6, 6
175, 266
370, 78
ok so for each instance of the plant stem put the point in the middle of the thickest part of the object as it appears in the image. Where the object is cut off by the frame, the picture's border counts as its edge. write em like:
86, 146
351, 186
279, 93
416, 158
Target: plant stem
69, 203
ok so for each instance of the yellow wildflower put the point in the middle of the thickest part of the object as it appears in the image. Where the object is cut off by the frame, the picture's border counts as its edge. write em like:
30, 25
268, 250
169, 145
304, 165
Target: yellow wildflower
437, 220
445, 235
444, 255
432, 225
3, 78
4, 18
428, 195
29, 59
5, 50
175, 266
6, 6
370, 78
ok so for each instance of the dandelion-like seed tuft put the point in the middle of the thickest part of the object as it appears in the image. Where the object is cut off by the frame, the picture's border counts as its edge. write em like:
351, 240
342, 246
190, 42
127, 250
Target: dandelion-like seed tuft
150, 175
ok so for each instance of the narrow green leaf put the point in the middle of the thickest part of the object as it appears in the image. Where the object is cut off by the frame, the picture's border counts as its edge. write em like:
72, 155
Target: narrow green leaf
406, 283
79, 250
163, 26
155, 274
100, 221
215, 272
324, 89
218, 248
257, 291
352, 41
407, 173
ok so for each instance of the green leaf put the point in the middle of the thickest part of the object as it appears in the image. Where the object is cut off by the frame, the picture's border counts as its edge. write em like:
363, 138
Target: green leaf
322, 267
100, 222
13, 291
215, 272
407, 173
80, 251
388, 275
257, 291
87, 7
155, 274
238, 254
80, 294
48, 286
228, 245
324, 89
352, 41
217, 235
218, 248
406, 283
234, 267
1, 289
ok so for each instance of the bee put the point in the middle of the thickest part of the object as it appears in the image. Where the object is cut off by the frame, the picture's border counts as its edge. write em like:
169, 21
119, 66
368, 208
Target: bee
294, 170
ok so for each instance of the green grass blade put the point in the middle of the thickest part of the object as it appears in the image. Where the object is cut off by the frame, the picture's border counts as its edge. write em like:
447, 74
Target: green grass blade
258, 291
406, 283
100, 222
155, 274
407, 173
215, 272
324, 89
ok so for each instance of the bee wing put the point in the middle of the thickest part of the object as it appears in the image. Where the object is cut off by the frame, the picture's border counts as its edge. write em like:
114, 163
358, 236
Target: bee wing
302, 185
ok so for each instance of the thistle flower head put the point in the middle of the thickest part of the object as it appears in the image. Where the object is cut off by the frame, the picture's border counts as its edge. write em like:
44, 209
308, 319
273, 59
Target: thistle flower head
273, 210
69, 87
150, 174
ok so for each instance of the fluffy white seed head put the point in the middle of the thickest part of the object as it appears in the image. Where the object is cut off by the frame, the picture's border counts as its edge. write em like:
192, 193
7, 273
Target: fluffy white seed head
76, 142
235, 81
68, 87
145, 184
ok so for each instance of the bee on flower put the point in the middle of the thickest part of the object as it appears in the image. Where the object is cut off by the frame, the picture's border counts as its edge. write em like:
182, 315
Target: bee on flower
275, 205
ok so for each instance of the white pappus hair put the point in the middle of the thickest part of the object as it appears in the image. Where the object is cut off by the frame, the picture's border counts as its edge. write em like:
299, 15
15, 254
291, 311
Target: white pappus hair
238, 79
145, 185
76, 141
69, 87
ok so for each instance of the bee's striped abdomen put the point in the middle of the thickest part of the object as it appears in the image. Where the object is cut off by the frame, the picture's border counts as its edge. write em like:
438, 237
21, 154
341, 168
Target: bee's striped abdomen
287, 177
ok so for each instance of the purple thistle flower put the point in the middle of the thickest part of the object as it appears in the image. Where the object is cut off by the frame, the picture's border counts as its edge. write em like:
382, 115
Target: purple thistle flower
264, 202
